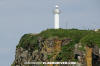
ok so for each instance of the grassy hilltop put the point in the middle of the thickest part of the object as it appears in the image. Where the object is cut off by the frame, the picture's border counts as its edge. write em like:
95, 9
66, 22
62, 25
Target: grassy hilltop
86, 37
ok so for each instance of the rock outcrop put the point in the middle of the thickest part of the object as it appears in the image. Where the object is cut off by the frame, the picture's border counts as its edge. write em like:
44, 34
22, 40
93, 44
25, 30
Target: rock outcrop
47, 51
81, 46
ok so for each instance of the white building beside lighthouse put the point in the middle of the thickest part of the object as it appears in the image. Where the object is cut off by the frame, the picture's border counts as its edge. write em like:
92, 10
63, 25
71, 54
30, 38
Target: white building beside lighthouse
56, 17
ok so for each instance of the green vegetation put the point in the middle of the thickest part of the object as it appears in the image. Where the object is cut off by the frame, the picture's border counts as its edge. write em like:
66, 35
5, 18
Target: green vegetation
50, 56
74, 34
12, 64
41, 65
29, 40
91, 40
86, 37
66, 53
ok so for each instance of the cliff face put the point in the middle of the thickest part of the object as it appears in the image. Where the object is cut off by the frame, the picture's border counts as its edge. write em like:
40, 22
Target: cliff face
58, 45
47, 51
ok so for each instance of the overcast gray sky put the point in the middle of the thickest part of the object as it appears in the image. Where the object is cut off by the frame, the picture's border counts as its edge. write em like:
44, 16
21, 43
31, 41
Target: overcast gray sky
18, 17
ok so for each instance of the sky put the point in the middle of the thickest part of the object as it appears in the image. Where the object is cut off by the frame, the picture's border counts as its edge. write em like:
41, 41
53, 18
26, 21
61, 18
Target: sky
18, 17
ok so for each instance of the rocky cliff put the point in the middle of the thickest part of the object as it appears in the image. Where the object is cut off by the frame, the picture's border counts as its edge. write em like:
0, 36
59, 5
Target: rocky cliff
56, 45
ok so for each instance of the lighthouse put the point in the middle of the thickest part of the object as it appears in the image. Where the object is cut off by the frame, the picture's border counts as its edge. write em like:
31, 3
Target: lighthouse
56, 17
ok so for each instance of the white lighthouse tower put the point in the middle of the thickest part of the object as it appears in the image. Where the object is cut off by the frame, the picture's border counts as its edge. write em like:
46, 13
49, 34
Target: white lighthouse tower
56, 17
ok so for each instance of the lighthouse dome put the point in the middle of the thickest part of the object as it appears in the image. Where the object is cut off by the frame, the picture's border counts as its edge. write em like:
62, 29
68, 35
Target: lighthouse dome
57, 11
